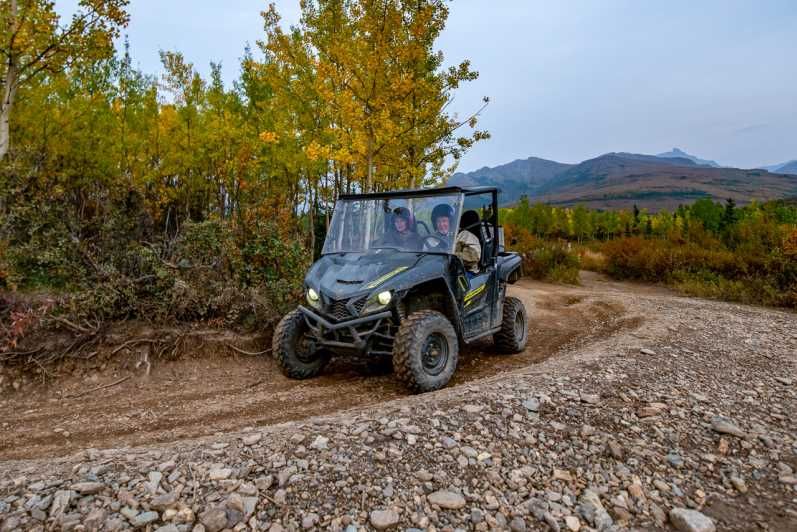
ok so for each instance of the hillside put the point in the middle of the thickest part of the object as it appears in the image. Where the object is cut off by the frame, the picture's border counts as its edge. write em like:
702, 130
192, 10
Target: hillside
620, 180
615, 181
523, 176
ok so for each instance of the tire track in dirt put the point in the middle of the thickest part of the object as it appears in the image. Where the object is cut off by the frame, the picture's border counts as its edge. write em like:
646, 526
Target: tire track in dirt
195, 397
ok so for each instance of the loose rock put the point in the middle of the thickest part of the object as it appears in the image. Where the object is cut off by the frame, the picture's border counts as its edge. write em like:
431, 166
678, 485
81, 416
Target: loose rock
724, 425
687, 520
384, 519
447, 499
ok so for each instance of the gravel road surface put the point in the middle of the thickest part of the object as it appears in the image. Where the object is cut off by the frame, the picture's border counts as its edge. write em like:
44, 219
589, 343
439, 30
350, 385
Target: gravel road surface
633, 408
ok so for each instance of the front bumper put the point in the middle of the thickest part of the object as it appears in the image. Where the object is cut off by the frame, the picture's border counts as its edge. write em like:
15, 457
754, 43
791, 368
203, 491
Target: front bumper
360, 334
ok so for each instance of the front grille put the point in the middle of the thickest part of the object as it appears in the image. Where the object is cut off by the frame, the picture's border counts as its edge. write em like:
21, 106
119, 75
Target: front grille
359, 304
338, 309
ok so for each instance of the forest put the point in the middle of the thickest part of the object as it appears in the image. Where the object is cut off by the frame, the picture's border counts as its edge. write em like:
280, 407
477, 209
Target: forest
710, 249
129, 195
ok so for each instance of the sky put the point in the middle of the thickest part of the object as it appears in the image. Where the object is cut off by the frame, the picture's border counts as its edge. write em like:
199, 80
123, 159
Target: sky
570, 80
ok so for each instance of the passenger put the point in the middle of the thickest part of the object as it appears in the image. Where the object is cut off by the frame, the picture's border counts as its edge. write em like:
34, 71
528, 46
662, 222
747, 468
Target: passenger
403, 233
467, 247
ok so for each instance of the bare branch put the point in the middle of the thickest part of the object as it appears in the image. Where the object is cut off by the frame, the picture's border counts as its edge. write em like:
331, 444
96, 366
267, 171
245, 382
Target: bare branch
248, 353
92, 390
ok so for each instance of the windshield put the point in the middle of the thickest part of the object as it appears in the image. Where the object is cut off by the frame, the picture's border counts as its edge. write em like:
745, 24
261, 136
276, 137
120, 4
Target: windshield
418, 223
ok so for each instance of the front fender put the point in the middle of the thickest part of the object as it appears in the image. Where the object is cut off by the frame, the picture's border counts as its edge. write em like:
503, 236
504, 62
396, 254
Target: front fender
510, 267
432, 274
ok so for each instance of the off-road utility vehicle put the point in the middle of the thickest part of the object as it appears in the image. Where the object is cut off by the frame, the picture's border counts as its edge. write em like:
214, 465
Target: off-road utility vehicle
389, 286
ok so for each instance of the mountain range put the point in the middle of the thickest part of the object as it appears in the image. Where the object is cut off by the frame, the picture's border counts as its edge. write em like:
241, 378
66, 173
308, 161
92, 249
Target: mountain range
783, 168
677, 153
621, 180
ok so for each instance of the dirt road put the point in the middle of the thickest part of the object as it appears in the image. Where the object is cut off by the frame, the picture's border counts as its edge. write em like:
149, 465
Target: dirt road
632, 408
218, 393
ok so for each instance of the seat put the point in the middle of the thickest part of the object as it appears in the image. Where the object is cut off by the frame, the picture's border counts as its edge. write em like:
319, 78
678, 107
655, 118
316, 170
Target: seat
488, 241
471, 222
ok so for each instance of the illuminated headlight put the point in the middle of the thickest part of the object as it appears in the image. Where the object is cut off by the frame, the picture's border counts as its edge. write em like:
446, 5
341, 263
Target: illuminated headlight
312, 297
378, 302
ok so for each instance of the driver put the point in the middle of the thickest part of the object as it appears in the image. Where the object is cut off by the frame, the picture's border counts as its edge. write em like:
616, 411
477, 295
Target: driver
403, 233
468, 248
442, 215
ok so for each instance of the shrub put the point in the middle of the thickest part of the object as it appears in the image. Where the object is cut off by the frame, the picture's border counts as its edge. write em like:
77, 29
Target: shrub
552, 261
739, 275
592, 260
211, 270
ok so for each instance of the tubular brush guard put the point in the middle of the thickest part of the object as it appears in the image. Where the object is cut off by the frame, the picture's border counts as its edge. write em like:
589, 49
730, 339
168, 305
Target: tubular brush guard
321, 327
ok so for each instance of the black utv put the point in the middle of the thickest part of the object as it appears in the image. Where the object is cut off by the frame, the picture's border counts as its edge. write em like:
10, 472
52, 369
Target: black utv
392, 285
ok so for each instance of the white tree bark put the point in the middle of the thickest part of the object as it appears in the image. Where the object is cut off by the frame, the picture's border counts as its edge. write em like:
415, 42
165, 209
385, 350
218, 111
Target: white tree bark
9, 89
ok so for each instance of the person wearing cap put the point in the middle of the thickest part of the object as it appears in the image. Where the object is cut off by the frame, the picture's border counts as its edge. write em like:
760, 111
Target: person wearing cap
442, 215
467, 246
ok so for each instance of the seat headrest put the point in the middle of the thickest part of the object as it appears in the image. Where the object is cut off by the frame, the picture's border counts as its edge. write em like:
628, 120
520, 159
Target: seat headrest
468, 220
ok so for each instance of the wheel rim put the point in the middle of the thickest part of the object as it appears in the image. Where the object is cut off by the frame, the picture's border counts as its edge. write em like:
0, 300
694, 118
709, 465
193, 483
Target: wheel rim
434, 354
520, 327
305, 349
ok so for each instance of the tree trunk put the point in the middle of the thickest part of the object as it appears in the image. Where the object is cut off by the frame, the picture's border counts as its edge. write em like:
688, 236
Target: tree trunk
5, 115
9, 90
369, 181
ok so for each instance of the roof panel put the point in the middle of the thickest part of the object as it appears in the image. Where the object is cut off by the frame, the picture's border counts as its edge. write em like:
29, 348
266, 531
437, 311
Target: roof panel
419, 192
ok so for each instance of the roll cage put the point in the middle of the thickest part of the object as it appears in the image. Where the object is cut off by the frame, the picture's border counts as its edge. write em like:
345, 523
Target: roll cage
486, 230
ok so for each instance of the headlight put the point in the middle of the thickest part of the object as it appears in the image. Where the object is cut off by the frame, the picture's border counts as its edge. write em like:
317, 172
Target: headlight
378, 302
312, 297
384, 297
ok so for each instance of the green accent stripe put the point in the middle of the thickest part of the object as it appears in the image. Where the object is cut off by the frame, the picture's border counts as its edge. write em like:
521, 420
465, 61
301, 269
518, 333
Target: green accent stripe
473, 293
385, 277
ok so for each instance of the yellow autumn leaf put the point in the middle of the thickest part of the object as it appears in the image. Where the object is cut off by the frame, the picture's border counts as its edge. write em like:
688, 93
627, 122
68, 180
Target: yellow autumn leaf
268, 137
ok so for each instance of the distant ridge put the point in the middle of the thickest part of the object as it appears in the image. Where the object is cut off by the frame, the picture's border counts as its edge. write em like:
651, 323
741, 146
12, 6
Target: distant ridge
678, 153
523, 176
620, 180
783, 168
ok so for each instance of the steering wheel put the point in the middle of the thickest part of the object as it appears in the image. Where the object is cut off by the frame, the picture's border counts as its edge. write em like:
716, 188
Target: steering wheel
434, 242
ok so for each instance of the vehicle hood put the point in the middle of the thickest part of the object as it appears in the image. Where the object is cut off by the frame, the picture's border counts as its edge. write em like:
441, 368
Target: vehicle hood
344, 275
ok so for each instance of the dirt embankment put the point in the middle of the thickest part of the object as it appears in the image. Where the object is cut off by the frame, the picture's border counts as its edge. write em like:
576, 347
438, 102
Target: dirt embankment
217, 389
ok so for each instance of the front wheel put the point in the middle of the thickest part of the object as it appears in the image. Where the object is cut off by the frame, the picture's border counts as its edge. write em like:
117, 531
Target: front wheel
295, 352
514, 327
425, 351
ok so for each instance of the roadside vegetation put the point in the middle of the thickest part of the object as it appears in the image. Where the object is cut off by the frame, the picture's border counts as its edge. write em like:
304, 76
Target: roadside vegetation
124, 195
710, 249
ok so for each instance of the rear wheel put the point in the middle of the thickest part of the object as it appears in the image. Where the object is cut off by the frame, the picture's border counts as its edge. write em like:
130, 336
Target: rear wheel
514, 327
294, 351
426, 351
